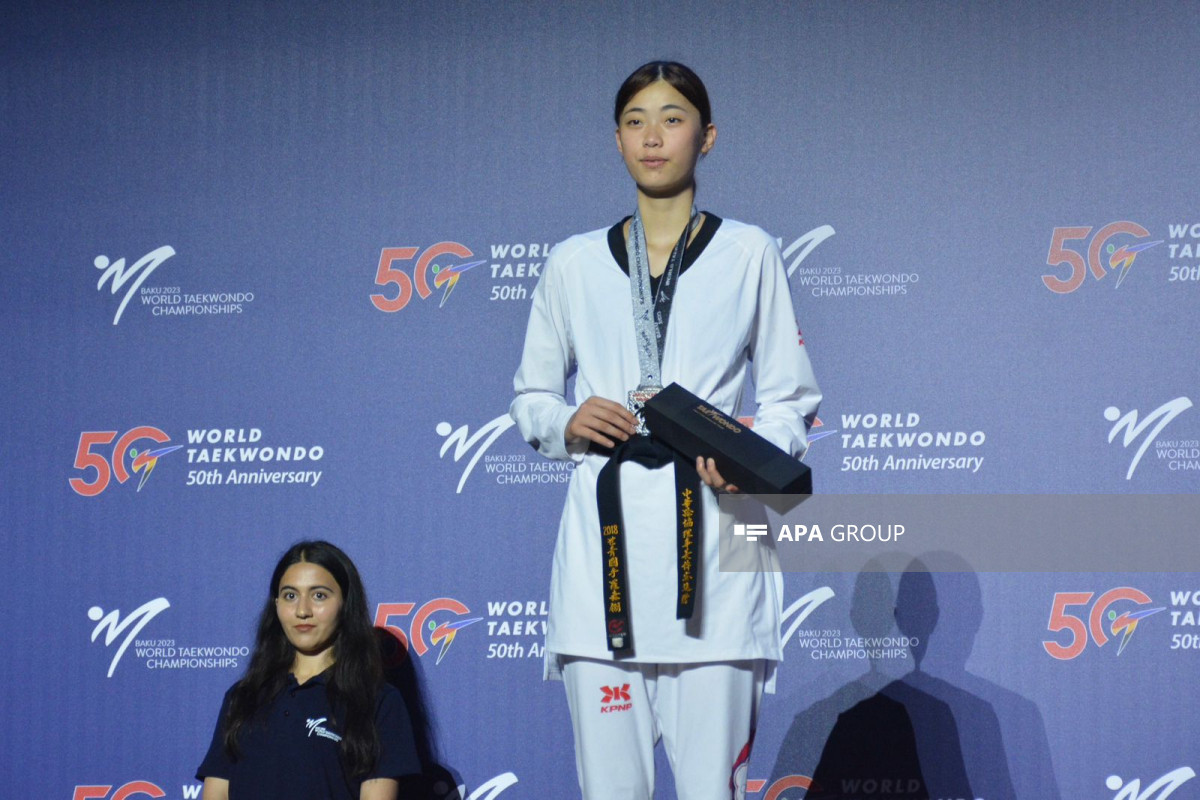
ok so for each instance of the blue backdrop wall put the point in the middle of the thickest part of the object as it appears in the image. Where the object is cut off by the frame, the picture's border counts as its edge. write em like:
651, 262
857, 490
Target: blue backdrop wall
267, 268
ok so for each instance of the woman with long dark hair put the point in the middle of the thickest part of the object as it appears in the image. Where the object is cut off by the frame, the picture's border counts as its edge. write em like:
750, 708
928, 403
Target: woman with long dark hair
312, 718
651, 639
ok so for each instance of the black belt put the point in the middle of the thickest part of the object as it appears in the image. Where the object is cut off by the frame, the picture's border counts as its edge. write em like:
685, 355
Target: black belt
651, 454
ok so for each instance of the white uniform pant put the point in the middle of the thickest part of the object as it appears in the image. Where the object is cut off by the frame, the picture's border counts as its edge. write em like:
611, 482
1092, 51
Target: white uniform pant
704, 713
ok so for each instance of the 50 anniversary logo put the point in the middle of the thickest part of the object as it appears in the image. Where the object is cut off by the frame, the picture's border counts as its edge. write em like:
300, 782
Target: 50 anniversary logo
441, 632
1119, 258
444, 277
143, 460
1121, 624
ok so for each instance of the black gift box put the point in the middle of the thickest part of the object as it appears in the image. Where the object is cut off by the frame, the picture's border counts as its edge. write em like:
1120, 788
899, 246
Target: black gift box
691, 426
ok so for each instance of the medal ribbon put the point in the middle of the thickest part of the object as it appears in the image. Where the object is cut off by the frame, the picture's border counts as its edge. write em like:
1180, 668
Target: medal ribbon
652, 311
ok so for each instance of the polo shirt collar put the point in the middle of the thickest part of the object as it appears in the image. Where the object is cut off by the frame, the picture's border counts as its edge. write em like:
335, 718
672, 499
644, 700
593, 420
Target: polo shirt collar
320, 679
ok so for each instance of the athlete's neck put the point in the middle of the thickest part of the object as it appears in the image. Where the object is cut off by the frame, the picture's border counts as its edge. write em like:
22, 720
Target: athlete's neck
664, 218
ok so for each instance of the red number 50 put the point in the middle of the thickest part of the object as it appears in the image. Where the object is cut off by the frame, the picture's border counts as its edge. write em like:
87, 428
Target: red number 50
1062, 620
124, 793
86, 459
1061, 255
386, 273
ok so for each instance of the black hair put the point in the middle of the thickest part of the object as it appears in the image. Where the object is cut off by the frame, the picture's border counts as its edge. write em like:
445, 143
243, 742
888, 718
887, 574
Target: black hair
354, 680
680, 77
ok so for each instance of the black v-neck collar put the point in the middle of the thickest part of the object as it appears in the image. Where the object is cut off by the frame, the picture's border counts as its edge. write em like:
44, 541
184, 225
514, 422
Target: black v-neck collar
616, 243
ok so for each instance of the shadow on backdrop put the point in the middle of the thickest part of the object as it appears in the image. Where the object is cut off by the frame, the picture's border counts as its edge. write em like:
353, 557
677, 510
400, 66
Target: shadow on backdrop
1005, 747
436, 782
938, 731
927, 734
858, 742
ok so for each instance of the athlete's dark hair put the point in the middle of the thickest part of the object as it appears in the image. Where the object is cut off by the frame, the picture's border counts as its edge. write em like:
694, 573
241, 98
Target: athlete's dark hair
356, 676
686, 82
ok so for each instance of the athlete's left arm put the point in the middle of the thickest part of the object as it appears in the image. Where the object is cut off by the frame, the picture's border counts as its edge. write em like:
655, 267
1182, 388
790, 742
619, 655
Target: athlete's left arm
379, 789
786, 389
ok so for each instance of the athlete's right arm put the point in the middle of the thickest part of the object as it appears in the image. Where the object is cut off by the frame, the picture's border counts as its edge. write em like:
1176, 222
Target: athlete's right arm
215, 789
540, 407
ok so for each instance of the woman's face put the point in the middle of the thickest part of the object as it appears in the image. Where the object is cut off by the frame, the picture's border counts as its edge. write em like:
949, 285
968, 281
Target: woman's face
309, 604
661, 138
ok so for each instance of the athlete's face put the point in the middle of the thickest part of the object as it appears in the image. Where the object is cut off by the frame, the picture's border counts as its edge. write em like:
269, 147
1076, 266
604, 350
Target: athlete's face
309, 604
661, 138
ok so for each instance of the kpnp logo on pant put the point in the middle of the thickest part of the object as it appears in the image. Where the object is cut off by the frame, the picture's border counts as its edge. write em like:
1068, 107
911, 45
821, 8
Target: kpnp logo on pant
616, 698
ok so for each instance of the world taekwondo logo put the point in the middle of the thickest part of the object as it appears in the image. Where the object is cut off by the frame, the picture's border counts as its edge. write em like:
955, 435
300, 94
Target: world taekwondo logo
112, 626
1160, 789
316, 727
1129, 425
462, 440
507, 469
801, 609
489, 789
799, 250
117, 274
122, 632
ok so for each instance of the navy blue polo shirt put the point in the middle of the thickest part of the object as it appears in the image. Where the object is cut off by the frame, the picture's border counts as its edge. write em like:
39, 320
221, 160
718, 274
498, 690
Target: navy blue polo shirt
290, 750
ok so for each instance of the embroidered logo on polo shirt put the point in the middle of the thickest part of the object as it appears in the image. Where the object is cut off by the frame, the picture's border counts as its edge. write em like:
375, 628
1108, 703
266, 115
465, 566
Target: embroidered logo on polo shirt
613, 697
317, 727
